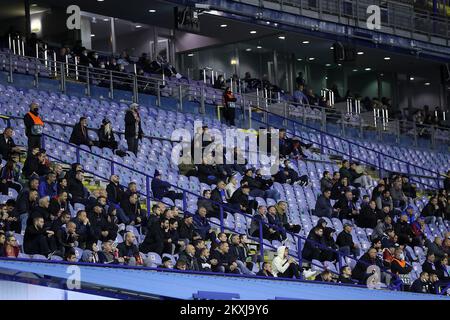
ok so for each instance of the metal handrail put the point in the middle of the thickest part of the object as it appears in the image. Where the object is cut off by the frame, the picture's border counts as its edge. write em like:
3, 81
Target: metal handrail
222, 206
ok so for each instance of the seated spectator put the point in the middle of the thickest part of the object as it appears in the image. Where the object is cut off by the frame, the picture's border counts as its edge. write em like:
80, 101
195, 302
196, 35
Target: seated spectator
202, 226
34, 165
38, 240
261, 219
47, 186
315, 247
345, 242
384, 200
77, 190
389, 239
132, 210
404, 231
381, 227
83, 228
398, 264
346, 207
369, 216
181, 265
284, 266
240, 200
109, 254
442, 270
328, 237
7, 145
11, 248
10, 176
436, 247
408, 188
160, 189
275, 222
324, 276
370, 258
188, 255
106, 137
398, 197
323, 205
90, 255
66, 238
218, 199
187, 229
281, 208
156, 239
206, 203
340, 187
326, 182
59, 204
26, 202
70, 256
418, 231
2, 243
231, 186
431, 212
422, 284
80, 134
258, 186
166, 263
41, 210
346, 276
225, 262
239, 254
129, 251
203, 261
429, 264
266, 270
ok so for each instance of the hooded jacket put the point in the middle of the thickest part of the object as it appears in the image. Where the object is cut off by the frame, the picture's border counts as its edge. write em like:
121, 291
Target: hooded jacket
279, 263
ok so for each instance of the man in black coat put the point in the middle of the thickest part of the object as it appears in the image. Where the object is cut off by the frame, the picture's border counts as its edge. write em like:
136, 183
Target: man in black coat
346, 207
41, 211
345, 242
33, 127
25, 204
80, 134
370, 258
154, 240
218, 198
38, 240
369, 216
225, 263
240, 200
188, 255
133, 128
77, 189
313, 249
429, 265
422, 284
132, 209
323, 205
7, 145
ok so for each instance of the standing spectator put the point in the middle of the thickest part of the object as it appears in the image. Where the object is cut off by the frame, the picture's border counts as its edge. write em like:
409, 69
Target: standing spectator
7, 145
106, 137
299, 95
284, 266
398, 197
34, 127
80, 134
345, 242
133, 128
229, 106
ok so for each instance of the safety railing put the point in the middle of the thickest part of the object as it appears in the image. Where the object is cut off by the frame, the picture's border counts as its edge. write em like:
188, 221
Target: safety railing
113, 81
393, 14
351, 145
222, 207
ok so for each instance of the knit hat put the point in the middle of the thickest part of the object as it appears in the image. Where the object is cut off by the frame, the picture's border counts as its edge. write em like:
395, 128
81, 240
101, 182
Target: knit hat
165, 259
157, 173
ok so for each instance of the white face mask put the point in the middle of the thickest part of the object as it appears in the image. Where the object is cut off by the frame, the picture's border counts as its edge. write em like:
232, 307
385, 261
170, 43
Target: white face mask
402, 256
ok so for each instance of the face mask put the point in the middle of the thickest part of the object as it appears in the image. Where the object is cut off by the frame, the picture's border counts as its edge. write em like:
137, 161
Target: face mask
402, 256
35, 111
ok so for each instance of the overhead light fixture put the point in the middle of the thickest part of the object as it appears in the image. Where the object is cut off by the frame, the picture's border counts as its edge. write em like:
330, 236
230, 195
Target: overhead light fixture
360, 53
258, 47
100, 0
33, 5
331, 48
248, 49
411, 78
267, 22
427, 83
281, 37
92, 35
328, 65
138, 26
311, 59
275, 24
355, 70
387, 58
326, 78
253, 32
339, 65
190, 55
367, 69
233, 61
305, 42
152, 10
299, 59
105, 19
223, 25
